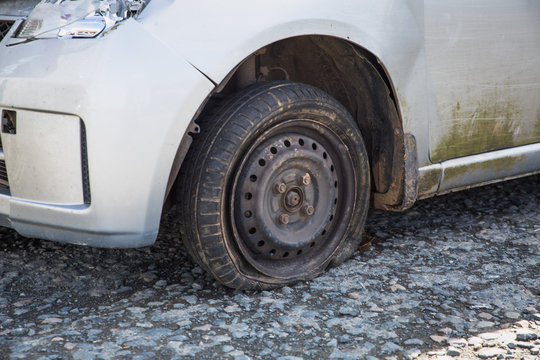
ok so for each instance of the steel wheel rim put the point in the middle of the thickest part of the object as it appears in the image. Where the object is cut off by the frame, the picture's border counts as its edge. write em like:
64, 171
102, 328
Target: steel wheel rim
292, 198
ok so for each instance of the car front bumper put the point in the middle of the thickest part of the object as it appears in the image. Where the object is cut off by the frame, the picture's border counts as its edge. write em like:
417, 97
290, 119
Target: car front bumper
98, 125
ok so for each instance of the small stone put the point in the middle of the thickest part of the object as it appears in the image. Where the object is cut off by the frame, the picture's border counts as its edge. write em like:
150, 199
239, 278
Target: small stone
446, 331
536, 317
227, 348
196, 286
206, 327
488, 353
348, 310
438, 353
475, 341
390, 348
459, 343
343, 339
18, 331
525, 345
332, 343
52, 320
535, 351
512, 315
397, 287
485, 324
412, 354
511, 345
146, 325
489, 336
417, 342
232, 308
22, 303
57, 338
190, 299
485, 316
526, 335
375, 308
439, 339
161, 283
452, 351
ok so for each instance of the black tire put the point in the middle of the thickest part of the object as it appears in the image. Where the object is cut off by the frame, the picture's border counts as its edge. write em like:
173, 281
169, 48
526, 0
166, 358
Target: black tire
275, 187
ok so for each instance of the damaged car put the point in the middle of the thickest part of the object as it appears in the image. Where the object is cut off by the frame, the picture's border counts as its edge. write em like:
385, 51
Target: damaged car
272, 127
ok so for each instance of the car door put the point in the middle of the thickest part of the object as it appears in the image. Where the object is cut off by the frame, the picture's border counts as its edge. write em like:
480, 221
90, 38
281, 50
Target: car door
484, 69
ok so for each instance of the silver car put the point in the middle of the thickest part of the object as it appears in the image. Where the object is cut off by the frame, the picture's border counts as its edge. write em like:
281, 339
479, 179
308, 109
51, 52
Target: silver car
272, 126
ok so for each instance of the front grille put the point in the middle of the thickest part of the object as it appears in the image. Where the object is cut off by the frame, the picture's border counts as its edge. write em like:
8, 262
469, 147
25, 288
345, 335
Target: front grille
5, 26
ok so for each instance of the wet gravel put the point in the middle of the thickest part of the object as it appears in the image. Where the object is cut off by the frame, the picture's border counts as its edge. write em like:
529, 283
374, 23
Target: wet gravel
456, 277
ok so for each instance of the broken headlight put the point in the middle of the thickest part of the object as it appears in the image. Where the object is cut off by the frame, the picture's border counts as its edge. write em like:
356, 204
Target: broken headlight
52, 19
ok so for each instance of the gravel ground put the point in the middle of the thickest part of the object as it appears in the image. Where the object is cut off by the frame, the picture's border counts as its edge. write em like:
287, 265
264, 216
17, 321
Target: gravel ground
457, 277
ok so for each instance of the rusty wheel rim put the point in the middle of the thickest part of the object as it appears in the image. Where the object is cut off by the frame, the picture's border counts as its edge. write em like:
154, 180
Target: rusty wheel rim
292, 198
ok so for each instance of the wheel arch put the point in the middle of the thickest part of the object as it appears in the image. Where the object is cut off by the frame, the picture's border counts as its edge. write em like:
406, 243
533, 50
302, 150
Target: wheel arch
355, 77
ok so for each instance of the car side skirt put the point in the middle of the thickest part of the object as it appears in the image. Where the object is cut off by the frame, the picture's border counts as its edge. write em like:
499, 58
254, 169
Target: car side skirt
476, 170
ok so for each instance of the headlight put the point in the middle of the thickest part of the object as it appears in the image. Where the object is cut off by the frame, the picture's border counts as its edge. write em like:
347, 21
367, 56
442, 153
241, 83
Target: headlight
52, 19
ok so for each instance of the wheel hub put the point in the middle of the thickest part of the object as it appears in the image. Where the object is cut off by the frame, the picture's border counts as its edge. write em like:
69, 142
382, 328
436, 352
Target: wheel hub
293, 199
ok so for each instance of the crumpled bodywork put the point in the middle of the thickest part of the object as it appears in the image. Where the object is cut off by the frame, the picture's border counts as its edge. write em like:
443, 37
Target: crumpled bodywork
76, 18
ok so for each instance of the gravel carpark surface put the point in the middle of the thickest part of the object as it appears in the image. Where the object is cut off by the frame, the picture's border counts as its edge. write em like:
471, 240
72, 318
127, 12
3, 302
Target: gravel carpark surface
455, 277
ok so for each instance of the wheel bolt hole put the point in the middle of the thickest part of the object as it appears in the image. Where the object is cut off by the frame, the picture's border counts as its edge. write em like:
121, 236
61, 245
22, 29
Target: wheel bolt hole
312, 244
331, 217
299, 252
248, 214
252, 231
260, 243
286, 254
324, 155
335, 183
287, 143
332, 168
314, 146
253, 178
301, 142
262, 162
335, 201
272, 252
273, 150
248, 196
323, 232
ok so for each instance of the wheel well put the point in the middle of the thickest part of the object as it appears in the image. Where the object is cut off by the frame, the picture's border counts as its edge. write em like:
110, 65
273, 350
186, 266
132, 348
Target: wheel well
354, 77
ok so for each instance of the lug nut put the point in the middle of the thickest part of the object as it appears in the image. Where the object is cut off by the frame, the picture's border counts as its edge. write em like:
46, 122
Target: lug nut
308, 210
284, 218
306, 179
280, 188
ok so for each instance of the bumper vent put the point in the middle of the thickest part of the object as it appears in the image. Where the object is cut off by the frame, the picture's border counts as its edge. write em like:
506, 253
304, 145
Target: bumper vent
85, 172
4, 183
5, 26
